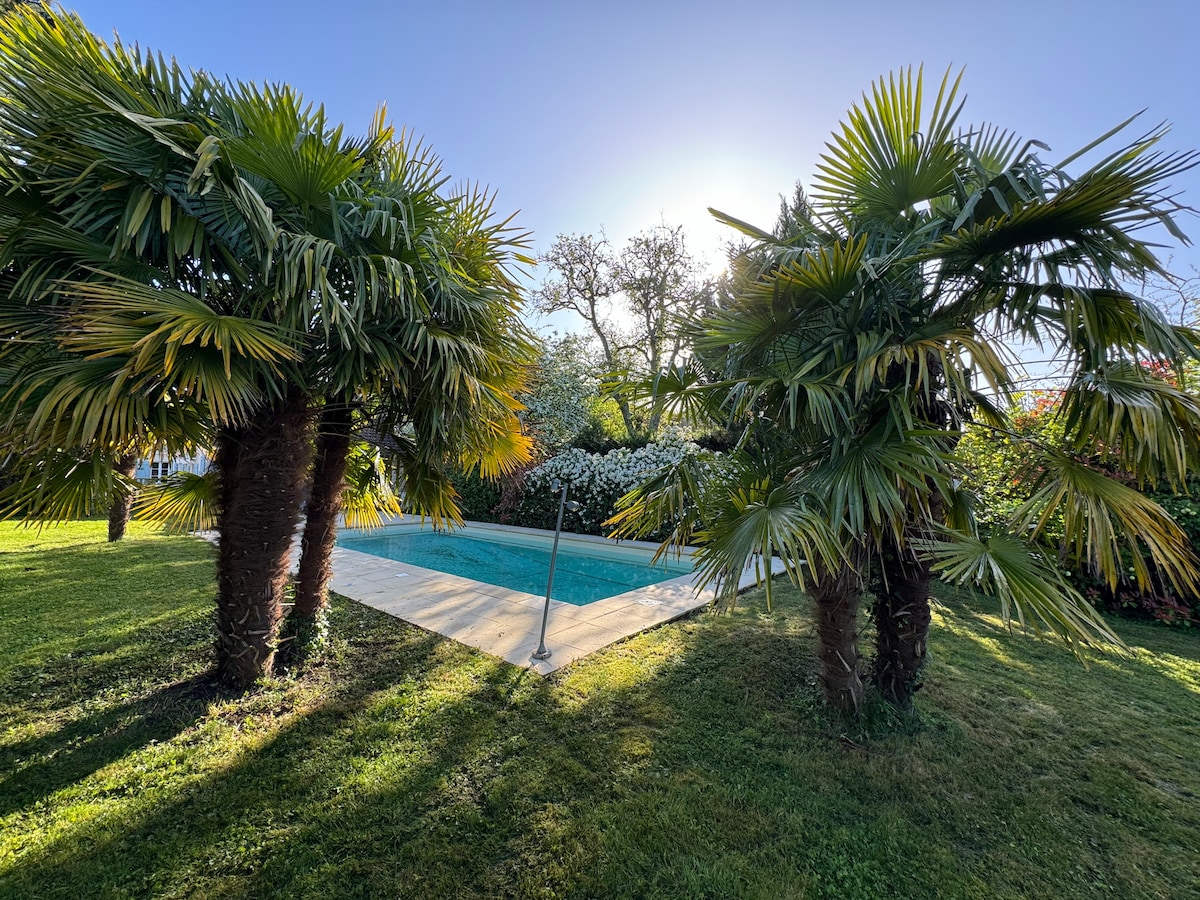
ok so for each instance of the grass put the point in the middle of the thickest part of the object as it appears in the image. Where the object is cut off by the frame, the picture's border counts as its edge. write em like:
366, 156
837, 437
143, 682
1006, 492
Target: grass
693, 761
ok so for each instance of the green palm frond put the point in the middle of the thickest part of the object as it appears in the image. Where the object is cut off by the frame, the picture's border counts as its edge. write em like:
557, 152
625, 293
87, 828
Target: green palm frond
57, 485
70, 401
153, 326
1097, 213
821, 277
1101, 516
183, 501
751, 231
1030, 587
936, 355
992, 150
756, 521
876, 480
679, 498
888, 158
682, 391
289, 144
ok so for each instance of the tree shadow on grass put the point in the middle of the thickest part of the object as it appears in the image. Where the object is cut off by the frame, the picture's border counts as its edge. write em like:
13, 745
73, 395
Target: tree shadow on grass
690, 762
235, 829
422, 748
97, 599
96, 636
1141, 673
33, 769
60, 568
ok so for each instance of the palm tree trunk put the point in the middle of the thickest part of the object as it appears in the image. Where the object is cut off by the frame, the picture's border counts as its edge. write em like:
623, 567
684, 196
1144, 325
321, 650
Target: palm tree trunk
901, 612
122, 502
902, 619
263, 465
320, 526
837, 594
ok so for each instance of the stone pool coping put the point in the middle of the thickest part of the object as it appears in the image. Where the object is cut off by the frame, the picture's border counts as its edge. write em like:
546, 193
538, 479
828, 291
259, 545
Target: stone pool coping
507, 623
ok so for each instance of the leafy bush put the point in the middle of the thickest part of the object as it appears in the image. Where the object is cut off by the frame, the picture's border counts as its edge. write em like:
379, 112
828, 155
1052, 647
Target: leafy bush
1001, 473
999, 470
604, 431
597, 481
478, 497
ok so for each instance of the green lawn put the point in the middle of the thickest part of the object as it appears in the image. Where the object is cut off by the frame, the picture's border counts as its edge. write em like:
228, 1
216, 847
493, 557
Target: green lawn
693, 761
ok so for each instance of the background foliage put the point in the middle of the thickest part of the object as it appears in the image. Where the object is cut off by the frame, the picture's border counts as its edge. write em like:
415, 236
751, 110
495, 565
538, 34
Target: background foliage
1002, 475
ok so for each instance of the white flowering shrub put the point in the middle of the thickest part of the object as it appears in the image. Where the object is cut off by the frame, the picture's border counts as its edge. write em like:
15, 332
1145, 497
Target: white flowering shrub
596, 481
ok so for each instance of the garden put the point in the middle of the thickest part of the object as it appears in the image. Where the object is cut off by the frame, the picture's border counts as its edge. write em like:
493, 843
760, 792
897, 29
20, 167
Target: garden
695, 760
976, 675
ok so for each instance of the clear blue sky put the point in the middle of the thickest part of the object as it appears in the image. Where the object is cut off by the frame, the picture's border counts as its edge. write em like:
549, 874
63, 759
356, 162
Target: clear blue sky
585, 115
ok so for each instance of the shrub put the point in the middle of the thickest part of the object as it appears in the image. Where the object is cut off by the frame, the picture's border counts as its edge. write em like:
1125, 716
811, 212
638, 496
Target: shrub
478, 497
595, 438
565, 392
597, 481
1000, 472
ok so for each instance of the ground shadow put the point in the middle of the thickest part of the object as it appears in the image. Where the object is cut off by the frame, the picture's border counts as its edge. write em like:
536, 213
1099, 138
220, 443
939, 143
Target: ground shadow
88, 744
694, 762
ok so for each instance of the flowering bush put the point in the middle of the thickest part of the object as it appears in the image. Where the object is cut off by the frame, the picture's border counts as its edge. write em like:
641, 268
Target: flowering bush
1000, 469
596, 481
565, 389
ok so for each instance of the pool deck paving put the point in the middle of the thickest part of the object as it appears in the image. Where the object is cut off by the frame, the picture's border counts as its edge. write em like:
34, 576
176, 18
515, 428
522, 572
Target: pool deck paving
507, 623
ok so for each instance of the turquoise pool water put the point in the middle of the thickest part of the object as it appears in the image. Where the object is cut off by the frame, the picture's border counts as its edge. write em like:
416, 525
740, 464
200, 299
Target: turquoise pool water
583, 574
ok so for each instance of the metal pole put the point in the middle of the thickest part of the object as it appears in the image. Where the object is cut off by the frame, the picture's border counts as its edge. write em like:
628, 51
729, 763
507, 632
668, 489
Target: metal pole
541, 652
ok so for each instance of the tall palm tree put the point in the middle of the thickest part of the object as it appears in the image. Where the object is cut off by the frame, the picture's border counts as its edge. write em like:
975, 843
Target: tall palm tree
174, 248
435, 388
887, 315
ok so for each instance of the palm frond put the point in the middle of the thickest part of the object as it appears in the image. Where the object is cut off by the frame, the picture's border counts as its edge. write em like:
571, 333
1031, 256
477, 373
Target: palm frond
1125, 414
1030, 587
57, 486
1101, 516
369, 491
756, 521
183, 501
678, 498
888, 158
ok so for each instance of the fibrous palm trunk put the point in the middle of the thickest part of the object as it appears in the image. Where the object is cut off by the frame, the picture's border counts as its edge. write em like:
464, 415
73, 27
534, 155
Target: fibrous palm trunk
901, 610
122, 502
263, 466
324, 509
902, 619
837, 594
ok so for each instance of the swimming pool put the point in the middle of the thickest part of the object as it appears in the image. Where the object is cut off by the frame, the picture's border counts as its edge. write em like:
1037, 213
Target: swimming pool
587, 569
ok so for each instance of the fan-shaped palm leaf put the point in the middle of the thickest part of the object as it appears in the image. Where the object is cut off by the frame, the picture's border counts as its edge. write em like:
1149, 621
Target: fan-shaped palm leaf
888, 158
1101, 516
1030, 587
184, 501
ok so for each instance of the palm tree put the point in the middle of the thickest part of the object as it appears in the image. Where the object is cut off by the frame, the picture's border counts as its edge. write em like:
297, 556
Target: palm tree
174, 249
434, 388
882, 319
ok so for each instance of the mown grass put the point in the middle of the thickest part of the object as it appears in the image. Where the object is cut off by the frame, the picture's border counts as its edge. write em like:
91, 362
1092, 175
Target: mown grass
694, 761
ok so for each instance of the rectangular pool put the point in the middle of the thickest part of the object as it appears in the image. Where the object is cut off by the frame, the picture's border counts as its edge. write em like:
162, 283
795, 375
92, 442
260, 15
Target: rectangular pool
588, 569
